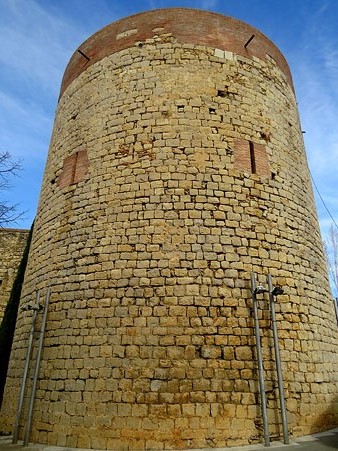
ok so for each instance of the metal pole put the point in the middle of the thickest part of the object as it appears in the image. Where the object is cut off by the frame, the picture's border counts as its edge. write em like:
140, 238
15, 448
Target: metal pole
36, 371
335, 301
260, 363
278, 362
36, 309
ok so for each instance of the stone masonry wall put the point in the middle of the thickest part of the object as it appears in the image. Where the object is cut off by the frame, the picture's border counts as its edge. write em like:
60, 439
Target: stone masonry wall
12, 244
175, 169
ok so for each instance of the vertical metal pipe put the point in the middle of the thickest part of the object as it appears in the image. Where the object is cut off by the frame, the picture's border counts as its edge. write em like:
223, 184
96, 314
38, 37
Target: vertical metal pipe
36, 371
278, 362
260, 363
335, 301
36, 308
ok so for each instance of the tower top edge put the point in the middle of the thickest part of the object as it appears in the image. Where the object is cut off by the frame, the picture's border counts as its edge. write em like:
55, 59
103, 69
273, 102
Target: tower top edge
187, 26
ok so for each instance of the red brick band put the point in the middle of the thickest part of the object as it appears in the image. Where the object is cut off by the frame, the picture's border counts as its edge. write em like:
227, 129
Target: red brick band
188, 26
75, 168
245, 152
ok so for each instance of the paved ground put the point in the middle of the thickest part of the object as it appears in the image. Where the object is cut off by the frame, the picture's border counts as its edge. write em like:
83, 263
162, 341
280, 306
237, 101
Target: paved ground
325, 441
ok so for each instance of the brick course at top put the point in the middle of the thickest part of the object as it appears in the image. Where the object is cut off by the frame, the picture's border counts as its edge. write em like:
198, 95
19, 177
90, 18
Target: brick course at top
176, 168
186, 26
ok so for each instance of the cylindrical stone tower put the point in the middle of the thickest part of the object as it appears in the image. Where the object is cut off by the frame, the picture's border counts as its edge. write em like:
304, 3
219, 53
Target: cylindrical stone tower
176, 168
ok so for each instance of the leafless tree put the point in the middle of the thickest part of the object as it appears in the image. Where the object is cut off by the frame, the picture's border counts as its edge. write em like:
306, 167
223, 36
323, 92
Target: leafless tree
9, 167
331, 250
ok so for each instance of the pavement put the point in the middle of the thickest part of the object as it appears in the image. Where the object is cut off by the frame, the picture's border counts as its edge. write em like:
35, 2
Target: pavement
324, 441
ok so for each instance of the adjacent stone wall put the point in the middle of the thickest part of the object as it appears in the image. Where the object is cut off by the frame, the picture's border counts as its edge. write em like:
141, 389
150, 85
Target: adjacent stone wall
175, 169
12, 245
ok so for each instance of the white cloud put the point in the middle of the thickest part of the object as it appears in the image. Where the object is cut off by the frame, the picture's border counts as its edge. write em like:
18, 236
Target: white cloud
35, 44
23, 127
207, 4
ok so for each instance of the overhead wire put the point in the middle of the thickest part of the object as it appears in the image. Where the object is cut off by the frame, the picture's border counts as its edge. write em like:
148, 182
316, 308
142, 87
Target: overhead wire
321, 198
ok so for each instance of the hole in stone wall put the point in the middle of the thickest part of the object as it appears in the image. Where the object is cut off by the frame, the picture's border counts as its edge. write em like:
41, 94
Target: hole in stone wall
273, 175
222, 93
265, 136
180, 108
212, 110
198, 351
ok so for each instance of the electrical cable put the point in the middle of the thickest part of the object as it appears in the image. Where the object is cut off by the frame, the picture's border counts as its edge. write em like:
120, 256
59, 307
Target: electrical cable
321, 198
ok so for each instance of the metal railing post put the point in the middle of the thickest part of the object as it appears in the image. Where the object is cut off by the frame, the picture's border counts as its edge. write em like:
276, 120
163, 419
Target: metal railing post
35, 309
260, 363
278, 362
36, 371
335, 302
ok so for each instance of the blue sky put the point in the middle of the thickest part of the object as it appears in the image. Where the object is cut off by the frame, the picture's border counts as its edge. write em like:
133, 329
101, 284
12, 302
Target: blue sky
39, 36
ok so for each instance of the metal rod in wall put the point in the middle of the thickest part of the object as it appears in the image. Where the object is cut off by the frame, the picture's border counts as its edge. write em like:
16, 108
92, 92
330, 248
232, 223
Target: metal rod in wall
249, 40
272, 293
335, 301
260, 362
36, 371
35, 309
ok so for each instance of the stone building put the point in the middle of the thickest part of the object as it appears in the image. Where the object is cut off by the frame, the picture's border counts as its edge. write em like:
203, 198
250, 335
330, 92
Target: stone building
176, 168
12, 245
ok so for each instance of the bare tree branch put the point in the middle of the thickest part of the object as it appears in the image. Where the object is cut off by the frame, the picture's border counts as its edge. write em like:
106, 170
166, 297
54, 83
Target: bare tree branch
9, 167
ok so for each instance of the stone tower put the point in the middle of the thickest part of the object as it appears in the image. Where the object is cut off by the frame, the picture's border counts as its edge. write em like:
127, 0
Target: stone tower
176, 168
